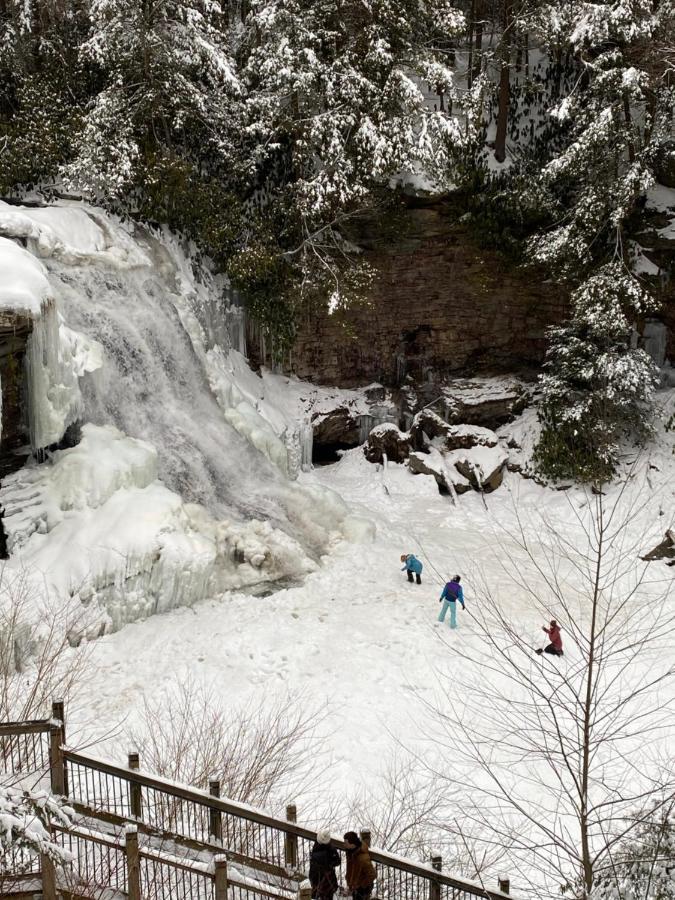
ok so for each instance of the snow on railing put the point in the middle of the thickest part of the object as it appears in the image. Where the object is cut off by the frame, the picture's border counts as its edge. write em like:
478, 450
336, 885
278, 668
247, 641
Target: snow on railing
273, 852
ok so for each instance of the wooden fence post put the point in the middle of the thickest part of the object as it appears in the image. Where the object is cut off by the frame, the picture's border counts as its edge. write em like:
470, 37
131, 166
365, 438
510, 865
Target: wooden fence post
57, 768
135, 795
59, 714
291, 840
434, 886
504, 885
365, 836
48, 877
133, 863
215, 819
220, 863
304, 892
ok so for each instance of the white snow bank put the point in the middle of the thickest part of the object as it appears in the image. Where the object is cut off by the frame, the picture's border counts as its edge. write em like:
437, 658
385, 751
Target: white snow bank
24, 285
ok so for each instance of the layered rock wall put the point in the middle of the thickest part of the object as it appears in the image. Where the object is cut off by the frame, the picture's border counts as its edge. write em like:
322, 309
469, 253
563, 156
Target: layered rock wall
438, 302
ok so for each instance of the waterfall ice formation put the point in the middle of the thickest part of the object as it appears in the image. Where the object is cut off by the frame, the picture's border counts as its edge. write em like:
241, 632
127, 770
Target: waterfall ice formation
144, 347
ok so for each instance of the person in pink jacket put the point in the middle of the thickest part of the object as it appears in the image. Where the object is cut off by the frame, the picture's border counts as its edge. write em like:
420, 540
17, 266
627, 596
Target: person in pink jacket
555, 647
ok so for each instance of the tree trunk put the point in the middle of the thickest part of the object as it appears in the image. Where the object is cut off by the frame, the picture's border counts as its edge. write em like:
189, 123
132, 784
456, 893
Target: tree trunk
469, 68
478, 43
504, 86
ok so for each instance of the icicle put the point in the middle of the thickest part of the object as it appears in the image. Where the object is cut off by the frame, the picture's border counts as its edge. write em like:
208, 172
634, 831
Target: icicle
306, 445
54, 399
236, 327
294, 452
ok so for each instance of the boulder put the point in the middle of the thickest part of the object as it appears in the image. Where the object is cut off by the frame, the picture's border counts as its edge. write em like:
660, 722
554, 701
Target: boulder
339, 426
447, 477
387, 439
489, 402
664, 550
483, 467
429, 430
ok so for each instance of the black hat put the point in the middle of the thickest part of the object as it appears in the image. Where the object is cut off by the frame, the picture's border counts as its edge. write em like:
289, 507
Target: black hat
351, 837
457, 579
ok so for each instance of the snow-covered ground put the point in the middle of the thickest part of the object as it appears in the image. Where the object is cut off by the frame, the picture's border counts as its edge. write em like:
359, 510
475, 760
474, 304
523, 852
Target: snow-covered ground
356, 635
176, 505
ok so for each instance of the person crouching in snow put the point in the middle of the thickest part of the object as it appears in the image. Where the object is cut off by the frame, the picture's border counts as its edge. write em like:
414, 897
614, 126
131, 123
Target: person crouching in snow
323, 861
555, 647
360, 870
412, 566
452, 594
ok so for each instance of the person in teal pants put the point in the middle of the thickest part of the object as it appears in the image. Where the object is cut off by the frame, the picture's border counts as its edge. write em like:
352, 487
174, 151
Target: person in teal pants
452, 594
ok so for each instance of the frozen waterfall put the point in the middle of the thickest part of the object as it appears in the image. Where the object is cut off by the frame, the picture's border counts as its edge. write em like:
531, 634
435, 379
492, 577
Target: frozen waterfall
137, 349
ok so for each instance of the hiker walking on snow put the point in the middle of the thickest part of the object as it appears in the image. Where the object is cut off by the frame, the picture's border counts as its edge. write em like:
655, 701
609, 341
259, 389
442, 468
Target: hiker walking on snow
360, 870
412, 566
451, 596
323, 861
555, 647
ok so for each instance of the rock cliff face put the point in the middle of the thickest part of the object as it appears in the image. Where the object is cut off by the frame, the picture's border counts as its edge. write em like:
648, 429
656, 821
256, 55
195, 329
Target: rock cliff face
438, 303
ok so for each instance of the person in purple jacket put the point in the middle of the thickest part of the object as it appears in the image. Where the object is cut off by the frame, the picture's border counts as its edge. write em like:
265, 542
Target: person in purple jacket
452, 594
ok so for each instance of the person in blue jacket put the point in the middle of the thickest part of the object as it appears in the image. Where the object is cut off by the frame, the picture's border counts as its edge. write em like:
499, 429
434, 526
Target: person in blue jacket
452, 594
412, 566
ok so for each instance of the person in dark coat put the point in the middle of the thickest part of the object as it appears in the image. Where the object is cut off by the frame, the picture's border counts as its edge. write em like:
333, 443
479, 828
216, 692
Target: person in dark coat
360, 870
323, 861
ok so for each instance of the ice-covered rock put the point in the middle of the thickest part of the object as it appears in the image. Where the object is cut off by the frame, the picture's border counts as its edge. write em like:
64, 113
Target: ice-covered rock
95, 525
24, 286
387, 440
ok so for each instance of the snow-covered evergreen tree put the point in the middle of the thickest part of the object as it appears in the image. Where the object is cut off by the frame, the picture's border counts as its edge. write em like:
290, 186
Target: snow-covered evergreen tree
168, 87
597, 386
25, 821
41, 87
336, 107
643, 867
617, 118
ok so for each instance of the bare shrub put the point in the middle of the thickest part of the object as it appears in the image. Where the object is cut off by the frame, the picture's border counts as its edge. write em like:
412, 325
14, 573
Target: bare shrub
557, 754
261, 751
37, 662
400, 808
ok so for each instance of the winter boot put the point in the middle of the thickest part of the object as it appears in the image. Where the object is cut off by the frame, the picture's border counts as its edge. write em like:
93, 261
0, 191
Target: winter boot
410, 576
418, 577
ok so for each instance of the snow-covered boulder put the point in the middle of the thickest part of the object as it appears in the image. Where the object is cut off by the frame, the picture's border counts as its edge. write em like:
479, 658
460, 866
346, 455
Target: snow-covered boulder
434, 463
429, 430
483, 467
387, 440
340, 426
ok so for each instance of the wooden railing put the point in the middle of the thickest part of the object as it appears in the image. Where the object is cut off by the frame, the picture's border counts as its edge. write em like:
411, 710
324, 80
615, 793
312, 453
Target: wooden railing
123, 802
25, 748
